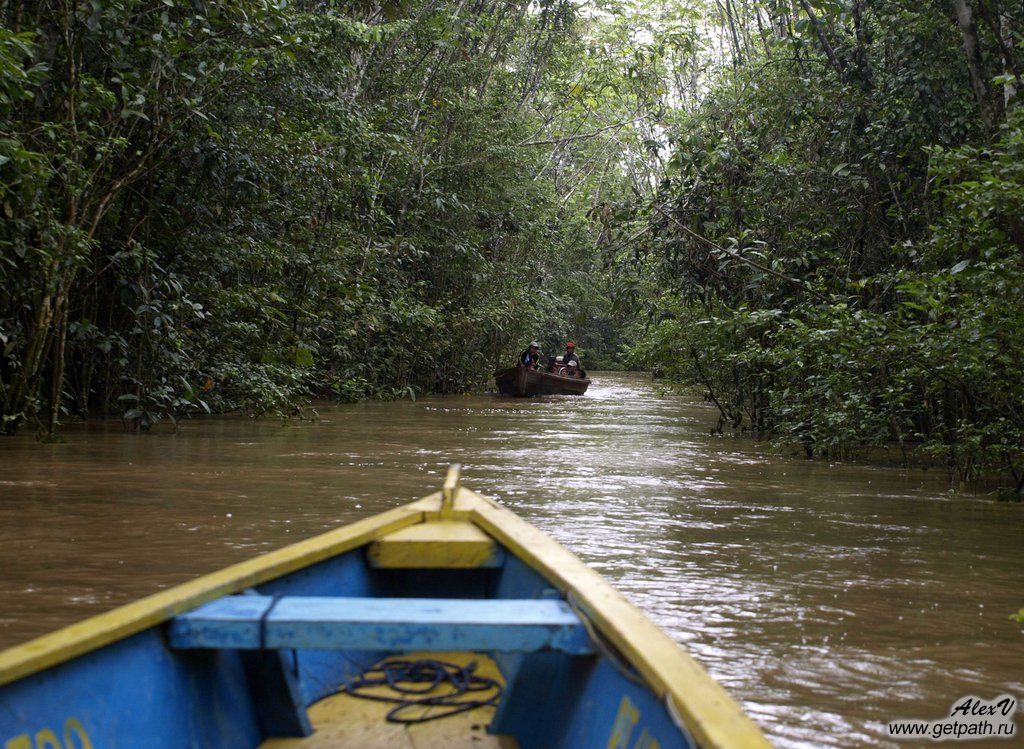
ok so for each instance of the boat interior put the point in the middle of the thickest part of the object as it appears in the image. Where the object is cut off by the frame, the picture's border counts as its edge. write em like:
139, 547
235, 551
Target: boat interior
342, 721
437, 591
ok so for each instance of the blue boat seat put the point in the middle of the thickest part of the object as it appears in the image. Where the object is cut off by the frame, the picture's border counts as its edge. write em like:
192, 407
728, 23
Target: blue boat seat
256, 622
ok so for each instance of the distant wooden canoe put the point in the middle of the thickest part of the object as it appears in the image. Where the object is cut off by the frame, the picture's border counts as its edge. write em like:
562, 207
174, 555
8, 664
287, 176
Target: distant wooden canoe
265, 653
523, 381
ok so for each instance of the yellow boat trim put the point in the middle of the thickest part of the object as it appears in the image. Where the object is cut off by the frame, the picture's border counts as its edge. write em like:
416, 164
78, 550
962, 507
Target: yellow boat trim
97, 631
443, 544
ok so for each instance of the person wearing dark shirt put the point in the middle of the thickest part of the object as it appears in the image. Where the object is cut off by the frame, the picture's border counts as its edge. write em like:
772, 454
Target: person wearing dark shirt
570, 356
530, 358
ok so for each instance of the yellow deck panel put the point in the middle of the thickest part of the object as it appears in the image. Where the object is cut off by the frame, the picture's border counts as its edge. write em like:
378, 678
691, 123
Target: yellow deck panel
344, 722
444, 544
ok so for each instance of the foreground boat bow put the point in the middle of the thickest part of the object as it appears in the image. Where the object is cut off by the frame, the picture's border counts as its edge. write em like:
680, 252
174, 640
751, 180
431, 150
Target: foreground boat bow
270, 650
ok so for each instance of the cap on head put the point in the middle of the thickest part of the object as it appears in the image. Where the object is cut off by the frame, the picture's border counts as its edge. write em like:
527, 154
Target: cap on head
534, 344
572, 364
570, 344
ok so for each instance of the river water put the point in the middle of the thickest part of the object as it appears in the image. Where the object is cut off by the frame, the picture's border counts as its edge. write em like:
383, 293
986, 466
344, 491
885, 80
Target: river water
828, 598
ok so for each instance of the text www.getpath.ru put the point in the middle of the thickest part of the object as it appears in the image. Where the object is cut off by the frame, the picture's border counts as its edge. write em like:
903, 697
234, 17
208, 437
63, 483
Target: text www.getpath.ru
969, 718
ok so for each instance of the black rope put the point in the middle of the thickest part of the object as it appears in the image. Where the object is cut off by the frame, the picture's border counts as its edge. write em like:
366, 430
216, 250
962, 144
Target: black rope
416, 684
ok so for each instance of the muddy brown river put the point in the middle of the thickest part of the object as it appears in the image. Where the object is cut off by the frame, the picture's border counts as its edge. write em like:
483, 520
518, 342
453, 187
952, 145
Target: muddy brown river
827, 598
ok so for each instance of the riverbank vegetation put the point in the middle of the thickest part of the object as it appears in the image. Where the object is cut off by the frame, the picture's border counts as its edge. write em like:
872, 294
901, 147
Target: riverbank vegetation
811, 209
240, 204
835, 250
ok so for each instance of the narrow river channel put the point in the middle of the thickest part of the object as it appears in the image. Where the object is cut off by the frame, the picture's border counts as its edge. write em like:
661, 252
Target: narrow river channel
828, 598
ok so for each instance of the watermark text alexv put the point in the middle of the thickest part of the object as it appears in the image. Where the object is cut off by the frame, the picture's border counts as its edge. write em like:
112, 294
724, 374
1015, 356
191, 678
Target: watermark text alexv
969, 718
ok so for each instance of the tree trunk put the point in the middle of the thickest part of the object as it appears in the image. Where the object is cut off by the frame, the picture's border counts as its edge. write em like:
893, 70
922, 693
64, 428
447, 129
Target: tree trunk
864, 71
57, 383
826, 46
1005, 35
975, 63
737, 52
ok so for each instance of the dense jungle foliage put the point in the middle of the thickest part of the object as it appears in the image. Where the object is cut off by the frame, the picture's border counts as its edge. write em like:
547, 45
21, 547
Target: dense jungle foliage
240, 204
835, 249
814, 209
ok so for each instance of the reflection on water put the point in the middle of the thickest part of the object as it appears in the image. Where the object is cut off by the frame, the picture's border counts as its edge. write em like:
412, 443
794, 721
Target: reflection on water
827, 598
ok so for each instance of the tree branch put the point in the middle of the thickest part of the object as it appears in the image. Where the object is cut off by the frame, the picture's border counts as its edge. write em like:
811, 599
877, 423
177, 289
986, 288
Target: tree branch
584, 136
830, 53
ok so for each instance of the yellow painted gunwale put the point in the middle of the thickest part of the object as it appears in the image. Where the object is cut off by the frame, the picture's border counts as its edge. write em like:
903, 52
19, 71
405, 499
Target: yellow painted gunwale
706, 709
709, 713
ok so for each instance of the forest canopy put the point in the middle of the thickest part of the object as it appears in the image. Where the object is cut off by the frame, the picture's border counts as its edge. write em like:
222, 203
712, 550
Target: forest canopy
812, 210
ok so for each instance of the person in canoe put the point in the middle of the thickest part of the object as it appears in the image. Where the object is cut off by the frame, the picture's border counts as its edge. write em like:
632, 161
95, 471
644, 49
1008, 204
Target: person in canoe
530, 358
569, 358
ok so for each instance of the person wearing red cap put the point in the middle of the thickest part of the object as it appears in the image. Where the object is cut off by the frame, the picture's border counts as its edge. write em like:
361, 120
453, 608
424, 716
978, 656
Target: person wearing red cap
570, 356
